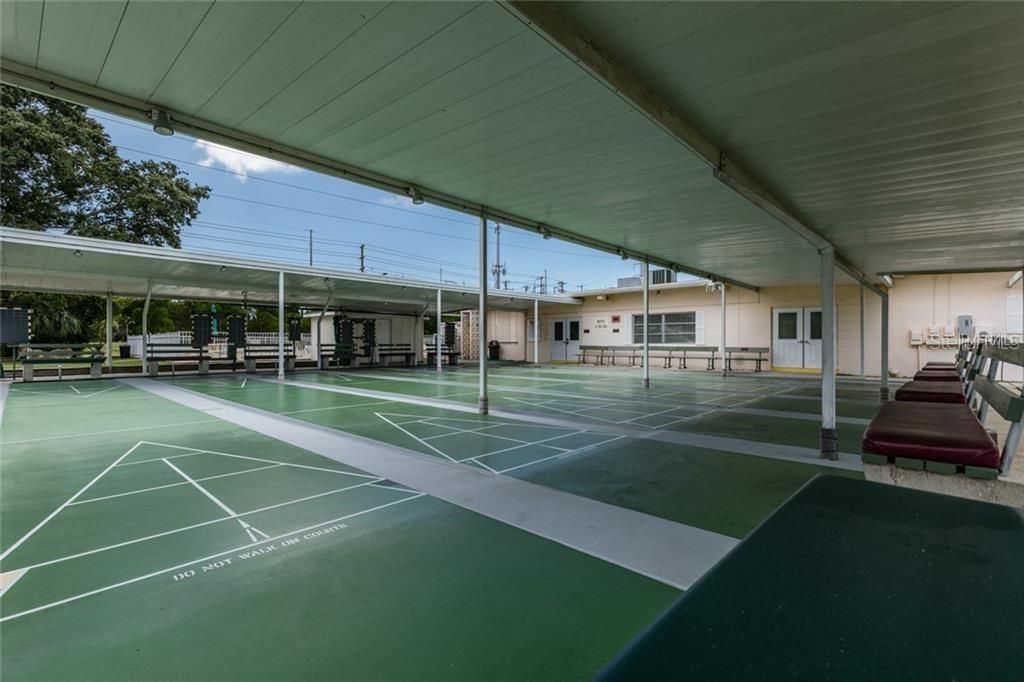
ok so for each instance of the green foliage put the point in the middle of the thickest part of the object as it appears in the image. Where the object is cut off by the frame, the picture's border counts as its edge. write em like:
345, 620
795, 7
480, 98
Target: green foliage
59, 169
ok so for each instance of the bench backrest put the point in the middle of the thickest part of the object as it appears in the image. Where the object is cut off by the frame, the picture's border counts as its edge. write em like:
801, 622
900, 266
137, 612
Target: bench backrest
1007, 402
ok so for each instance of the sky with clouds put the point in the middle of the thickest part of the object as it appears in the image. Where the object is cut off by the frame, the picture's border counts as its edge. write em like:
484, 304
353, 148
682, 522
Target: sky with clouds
265, 209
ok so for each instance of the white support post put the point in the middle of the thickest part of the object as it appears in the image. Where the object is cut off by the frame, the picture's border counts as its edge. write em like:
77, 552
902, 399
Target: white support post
280, 325
482, 318
883, 391
721, 342
536, 331
829, 432
861, 289
437, 336
145, 329
110, 331
647, 313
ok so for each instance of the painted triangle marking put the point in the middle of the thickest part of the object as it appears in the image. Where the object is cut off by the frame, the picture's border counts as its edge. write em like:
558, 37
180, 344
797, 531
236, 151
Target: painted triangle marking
8, 579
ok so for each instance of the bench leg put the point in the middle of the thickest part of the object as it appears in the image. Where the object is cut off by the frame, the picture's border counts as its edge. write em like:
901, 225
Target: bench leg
152, 368
250, 364
26, 372
289, 364
204, 366
95, 370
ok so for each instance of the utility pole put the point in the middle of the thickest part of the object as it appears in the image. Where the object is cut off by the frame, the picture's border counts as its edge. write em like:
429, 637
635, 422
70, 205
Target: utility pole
499, 268
362, 258
311, 248
561, 287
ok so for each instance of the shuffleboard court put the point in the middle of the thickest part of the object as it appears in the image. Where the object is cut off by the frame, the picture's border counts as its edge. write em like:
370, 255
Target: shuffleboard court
130, 545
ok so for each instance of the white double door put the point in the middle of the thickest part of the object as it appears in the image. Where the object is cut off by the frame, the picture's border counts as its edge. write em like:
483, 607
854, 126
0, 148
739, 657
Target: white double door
796, 338
565, 339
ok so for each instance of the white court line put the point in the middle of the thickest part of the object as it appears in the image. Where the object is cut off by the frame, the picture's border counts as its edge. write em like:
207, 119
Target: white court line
172, 485
210, 495
106, 390
255, 459
406, 432
72, 387
244, 381
102, 433
476, 461
337, 407
130, 581
71, 499
562, 455
201, 524
4, 388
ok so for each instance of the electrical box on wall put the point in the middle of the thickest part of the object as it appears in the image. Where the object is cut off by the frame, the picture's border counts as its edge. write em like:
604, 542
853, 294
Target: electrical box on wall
965, 325
916, 337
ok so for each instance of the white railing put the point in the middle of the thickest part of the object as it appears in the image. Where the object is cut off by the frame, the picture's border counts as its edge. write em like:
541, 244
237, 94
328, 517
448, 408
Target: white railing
218, 348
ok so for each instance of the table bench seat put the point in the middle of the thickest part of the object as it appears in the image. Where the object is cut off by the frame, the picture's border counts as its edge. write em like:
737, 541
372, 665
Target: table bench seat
937, 375
933, 432
932, 392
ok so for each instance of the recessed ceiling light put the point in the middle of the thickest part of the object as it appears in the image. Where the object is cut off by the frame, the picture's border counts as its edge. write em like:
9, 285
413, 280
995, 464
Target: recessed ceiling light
161, 122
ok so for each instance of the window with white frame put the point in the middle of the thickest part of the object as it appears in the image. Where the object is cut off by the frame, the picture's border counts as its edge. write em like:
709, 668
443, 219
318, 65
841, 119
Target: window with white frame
676, 328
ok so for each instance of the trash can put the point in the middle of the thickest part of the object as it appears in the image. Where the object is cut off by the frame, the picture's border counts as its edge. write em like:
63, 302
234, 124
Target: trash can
493, 350
125, 351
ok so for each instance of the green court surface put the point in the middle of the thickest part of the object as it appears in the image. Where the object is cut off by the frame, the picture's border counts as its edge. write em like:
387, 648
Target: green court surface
156, 541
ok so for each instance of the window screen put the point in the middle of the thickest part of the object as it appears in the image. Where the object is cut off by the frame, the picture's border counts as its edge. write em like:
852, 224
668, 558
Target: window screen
787, 326
676, 328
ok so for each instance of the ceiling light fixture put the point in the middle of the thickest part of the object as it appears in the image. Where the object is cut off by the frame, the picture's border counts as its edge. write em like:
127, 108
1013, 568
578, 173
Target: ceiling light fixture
223, 268
888, 281
415, 195
544, 232
161, 122
622, 254
77, 253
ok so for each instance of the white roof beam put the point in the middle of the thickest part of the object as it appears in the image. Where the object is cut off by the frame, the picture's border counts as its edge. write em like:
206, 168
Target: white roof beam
545, 20
37, 80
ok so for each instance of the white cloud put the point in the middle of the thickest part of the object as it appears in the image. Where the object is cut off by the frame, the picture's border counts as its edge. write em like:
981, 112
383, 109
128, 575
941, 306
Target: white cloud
395, 200
242, 163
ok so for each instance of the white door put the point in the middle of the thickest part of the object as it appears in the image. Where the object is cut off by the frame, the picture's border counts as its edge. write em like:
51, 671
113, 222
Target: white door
787, 337
812, 337
565, 339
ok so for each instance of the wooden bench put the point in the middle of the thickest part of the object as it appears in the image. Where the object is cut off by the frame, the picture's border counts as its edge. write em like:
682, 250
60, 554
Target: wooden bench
450, 353
255, 352
60, 355
756, 355
174, 354
951, 438
386, 351
598, 351
341, 354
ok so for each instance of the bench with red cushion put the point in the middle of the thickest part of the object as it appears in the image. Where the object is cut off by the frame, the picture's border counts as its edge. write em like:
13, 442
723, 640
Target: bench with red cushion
932, 392
931, 431
937, 375
939, 365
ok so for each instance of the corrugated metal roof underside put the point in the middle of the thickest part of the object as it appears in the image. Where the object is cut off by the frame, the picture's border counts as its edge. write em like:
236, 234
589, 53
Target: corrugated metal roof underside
891, 127
34, 261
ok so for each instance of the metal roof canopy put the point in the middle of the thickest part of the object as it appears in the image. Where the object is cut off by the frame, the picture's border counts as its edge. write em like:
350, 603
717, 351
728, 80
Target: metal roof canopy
37, 261
886, 130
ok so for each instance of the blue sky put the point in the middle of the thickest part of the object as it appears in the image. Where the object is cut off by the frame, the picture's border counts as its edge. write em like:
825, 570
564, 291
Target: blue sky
264, 209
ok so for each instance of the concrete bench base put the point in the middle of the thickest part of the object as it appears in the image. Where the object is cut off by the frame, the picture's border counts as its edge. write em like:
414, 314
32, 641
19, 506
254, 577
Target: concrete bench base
1009, 493
28, 370
250, 363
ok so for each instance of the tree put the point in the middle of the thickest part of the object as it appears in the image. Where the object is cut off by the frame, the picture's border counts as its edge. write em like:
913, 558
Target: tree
59, 169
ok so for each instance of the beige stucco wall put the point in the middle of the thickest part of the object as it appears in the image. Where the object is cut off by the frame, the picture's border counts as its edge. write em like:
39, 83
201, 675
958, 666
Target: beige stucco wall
916, 301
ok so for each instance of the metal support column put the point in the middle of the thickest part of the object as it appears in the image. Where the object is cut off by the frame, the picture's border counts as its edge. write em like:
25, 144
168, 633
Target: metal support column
883, 391
829, 432
536, 332
320, 330
280, 325
437, 336
647, 312
721, 342
482, 318
861, 326
145, 328
110, 331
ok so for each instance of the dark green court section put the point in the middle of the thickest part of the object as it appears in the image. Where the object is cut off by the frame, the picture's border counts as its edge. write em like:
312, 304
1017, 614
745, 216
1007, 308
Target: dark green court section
145, 577
724, 492
688, 402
